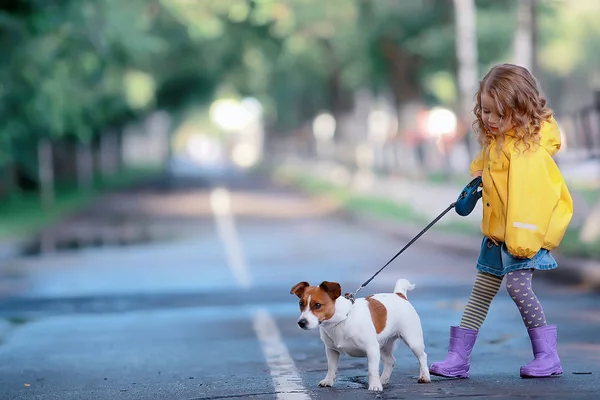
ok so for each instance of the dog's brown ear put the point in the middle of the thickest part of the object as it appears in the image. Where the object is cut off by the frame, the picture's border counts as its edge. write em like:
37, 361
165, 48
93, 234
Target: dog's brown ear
333, 289
298, 289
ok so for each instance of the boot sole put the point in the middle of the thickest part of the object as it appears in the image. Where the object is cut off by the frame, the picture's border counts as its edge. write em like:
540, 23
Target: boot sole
548, 375
459, 376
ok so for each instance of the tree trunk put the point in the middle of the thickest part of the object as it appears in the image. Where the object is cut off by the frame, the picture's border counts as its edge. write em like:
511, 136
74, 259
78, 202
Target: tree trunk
340, 100
120, 164
466, 52
109, 154
47, 195
402, 68
8, 184
46, 173
525, 36
85, 166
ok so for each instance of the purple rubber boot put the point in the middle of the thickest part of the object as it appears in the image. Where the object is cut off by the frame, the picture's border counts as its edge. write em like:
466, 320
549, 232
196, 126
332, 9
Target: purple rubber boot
546, 361
458, 361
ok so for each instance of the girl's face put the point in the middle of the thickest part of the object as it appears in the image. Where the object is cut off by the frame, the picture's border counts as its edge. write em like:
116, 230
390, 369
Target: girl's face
494, 122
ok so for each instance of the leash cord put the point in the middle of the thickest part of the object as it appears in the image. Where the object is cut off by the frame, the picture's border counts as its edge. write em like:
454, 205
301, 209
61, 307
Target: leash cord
450, 207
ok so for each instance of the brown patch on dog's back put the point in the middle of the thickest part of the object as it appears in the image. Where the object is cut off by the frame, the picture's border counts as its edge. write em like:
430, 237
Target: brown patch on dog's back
378, 314
402, 296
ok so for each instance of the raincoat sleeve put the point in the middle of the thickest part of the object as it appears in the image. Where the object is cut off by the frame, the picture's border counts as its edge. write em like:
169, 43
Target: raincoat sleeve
477, 163
539, 207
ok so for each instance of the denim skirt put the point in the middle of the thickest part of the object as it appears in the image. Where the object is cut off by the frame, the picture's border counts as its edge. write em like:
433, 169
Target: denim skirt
496, 260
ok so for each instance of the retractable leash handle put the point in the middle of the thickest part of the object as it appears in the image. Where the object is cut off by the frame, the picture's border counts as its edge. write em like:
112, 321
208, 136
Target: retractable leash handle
464, 205
467, 200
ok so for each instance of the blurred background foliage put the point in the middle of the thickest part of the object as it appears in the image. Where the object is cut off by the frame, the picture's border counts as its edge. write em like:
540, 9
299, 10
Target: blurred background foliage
75, 71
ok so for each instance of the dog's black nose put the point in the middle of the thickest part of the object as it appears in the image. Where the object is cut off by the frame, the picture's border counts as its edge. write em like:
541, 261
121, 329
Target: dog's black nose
302, 323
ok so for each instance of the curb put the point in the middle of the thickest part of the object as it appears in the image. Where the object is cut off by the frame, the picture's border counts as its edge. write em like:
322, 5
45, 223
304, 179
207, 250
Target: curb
571, 271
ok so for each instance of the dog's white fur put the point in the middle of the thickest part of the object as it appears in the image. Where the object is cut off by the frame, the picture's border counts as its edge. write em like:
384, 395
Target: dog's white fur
350, 329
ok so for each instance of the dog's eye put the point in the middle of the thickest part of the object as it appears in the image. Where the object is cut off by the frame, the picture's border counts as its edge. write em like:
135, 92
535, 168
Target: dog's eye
317, 306
301, 304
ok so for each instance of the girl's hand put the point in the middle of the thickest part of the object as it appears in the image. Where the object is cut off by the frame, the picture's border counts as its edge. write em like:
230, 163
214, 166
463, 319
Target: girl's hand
477, 174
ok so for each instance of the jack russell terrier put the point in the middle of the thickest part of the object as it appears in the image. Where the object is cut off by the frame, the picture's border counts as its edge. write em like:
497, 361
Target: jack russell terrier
368, 327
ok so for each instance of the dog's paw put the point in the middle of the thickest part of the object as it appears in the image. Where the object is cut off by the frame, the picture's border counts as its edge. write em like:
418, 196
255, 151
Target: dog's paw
326, 382
385, 380
375, 386
424, 377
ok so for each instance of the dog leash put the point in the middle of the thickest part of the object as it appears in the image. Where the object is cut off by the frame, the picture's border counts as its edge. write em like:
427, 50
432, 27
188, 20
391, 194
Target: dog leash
464, 206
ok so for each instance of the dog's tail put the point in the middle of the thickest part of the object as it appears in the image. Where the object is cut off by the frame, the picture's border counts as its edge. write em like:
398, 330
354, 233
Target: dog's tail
403, 286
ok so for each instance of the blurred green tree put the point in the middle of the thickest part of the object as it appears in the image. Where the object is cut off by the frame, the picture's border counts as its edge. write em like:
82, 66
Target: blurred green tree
77, 72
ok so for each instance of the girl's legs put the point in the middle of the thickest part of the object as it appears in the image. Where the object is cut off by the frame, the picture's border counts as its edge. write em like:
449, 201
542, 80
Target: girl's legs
543, 336
462, 338
485, 289
518, 286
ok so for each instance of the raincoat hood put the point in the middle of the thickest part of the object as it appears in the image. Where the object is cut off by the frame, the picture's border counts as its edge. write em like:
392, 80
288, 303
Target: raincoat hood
550, 137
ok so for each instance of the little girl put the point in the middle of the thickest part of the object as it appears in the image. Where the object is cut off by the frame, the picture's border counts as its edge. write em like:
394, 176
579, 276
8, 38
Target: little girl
526, 210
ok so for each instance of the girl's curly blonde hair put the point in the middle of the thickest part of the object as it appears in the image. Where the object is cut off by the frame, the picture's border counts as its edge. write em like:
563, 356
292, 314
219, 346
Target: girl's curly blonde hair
517, 96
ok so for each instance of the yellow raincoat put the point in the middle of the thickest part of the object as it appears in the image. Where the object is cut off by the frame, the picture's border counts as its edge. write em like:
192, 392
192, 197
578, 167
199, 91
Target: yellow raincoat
526, 202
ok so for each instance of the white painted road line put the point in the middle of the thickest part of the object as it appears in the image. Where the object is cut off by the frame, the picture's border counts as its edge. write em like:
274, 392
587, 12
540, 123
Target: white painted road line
287, 380
220, 202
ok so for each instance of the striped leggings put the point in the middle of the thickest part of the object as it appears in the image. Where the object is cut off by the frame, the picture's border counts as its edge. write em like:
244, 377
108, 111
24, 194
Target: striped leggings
518, 286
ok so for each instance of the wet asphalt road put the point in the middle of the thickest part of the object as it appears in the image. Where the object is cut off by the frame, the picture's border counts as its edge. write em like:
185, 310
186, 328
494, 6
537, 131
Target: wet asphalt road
210, 316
